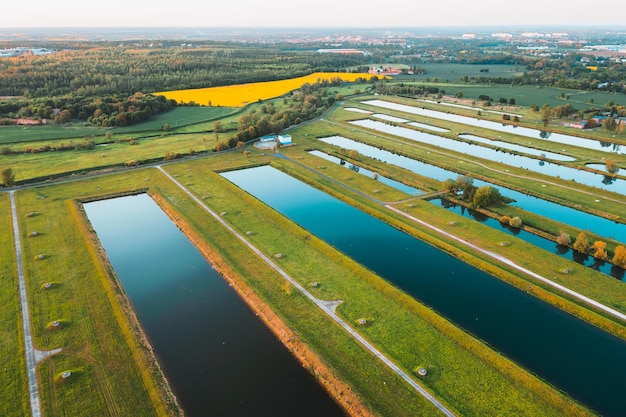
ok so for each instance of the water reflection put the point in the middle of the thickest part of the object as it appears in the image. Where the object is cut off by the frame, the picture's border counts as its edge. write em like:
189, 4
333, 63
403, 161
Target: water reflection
519, 130
497, 155
218, 356
568, 215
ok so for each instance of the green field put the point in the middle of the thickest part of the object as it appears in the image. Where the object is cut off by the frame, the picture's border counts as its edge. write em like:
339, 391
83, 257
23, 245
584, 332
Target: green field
14, 401
100, 335
177, 117
528, 95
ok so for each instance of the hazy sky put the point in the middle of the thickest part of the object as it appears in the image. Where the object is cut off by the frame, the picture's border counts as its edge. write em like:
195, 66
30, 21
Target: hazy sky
313, 13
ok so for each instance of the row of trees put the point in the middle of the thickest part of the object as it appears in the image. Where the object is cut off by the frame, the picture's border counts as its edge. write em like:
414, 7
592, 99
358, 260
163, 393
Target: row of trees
306, 103
478, 197
106, 69
485, 196
113, 110
597, 249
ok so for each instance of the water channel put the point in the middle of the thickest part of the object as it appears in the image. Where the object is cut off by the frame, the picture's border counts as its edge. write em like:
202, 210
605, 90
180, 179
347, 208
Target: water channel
536, 165
575, 218
363, 171
580, 359
219, 358
500, 127
546, 244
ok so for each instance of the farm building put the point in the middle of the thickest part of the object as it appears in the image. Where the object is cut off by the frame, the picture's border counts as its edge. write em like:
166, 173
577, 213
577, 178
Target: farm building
284, 139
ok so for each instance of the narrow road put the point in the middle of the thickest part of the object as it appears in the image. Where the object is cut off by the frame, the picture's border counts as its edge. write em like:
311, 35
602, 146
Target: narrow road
31, 363
327, 307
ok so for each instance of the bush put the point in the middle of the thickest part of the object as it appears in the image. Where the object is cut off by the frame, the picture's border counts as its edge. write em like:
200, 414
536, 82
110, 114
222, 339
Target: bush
515, 222
563, 239
505, 219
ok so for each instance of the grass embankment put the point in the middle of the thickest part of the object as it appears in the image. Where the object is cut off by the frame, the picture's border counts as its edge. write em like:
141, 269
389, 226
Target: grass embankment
403, 328
14, 400
529, 118
554, 189
101, 343
579, 278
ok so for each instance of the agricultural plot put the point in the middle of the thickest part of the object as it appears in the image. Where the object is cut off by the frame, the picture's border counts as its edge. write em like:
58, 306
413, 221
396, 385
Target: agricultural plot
242, 94
21, 134
178, 117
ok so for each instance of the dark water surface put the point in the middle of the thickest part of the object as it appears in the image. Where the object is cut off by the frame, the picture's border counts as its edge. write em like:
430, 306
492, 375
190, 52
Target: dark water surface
587, 363
220, 359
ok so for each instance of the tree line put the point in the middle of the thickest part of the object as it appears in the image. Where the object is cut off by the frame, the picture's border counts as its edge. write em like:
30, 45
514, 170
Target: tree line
109, 110
105, 68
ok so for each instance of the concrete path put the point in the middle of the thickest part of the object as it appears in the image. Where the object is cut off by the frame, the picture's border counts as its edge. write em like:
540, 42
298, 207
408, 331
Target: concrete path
327, 307
31, 362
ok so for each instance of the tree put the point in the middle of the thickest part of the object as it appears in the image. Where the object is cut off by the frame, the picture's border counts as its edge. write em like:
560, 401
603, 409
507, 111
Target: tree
466, 184
599, 250
619, 257
563, 239
512, 101
450, 185
486, 196
611, 166
166, 127
8, 177
217, 126
581, 245
609, 124
515, 222
546, 114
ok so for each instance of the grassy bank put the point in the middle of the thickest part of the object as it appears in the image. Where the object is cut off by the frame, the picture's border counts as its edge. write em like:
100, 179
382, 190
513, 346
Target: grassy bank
14, 401
403, 328
100, 340
579, 278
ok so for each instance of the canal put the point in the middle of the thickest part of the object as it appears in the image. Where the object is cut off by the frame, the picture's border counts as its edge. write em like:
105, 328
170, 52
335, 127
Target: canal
576, 357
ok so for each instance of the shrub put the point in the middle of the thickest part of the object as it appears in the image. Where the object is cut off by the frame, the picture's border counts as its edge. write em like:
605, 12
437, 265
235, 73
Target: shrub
619, 257
505, 219
515, 222
563, 239
581, 245
599, 250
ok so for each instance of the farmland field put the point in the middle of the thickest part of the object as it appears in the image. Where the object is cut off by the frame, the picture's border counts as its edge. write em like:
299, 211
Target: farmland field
242, 94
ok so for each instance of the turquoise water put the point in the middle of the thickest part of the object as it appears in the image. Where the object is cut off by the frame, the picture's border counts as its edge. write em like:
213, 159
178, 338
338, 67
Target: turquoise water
574, 356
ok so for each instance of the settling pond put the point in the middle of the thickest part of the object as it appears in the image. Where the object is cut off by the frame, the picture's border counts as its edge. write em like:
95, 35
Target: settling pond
536, 165
578, 358
500, 127
575, 218
541, 242
219, 358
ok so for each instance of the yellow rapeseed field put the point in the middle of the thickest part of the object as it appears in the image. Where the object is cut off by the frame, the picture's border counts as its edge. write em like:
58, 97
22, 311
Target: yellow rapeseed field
242, 94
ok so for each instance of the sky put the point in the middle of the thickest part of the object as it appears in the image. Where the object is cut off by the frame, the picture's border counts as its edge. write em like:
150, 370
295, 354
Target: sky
313, 13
